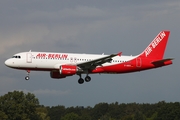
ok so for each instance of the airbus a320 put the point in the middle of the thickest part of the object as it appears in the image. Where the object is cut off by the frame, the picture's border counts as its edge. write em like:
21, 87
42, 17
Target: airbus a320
61, 65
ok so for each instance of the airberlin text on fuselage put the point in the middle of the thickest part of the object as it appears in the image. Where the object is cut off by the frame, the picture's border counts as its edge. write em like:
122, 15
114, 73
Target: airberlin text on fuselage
154, 43
52, 55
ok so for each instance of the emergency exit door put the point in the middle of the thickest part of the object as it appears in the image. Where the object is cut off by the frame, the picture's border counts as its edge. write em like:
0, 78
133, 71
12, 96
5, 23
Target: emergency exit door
29, 58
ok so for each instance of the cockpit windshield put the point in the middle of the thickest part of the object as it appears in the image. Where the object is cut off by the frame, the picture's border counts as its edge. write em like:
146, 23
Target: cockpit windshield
16, 57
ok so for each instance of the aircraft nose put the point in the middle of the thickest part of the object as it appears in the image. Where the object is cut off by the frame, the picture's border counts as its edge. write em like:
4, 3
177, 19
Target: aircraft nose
7, 62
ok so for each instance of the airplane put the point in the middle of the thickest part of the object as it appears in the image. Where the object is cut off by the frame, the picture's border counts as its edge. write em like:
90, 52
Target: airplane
61, 65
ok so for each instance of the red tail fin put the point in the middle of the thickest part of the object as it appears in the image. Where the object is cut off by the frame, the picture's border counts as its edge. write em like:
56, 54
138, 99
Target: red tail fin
157, 47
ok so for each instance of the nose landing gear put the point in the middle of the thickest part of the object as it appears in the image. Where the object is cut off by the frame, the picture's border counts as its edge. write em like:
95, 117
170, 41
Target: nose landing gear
27, 77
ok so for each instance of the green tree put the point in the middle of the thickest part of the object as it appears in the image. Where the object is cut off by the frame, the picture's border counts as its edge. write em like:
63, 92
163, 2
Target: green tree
18, 106
106, 117
99, 110
42, 112
3, 116
169, 111
71, 116
139, 116
55, 113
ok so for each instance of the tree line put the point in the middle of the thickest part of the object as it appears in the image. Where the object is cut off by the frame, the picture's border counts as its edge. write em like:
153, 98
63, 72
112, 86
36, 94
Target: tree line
17, 105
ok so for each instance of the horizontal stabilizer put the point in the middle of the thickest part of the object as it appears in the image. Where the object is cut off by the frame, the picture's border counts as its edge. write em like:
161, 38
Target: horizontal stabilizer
162, 62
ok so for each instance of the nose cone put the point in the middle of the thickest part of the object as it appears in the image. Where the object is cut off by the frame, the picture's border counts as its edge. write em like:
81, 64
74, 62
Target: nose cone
7, 63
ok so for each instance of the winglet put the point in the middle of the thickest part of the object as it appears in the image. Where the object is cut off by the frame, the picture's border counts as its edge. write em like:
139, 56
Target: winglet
119, 54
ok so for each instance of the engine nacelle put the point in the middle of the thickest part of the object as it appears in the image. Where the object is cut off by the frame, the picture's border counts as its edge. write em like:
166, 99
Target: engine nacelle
56, 75
68, 70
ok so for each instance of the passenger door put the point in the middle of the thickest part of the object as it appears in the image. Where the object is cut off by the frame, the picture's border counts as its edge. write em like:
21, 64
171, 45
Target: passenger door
29, 57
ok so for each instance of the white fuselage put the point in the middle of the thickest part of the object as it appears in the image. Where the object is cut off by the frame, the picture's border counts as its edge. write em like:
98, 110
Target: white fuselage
44, 61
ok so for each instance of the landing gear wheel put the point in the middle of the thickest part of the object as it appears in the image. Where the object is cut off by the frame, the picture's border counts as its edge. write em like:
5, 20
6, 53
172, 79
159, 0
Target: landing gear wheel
80, 81
87, 78
27, 78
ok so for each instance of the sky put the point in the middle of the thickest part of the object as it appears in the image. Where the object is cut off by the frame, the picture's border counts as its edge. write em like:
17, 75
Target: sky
96, 27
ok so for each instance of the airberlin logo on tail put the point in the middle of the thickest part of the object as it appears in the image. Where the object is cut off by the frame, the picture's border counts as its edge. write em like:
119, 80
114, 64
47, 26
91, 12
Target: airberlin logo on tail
154, 43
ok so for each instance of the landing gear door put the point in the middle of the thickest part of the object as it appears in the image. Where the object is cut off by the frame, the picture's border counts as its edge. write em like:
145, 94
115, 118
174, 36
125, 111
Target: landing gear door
29, 58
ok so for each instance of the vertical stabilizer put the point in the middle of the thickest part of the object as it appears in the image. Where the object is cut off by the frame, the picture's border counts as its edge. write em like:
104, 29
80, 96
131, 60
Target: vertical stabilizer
157, 47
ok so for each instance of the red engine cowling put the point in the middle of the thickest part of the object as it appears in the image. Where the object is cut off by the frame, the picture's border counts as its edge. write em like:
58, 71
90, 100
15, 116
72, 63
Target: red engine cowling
68, 70
56, 75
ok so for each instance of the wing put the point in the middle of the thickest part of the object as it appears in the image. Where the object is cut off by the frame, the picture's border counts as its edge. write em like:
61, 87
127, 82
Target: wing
90, 65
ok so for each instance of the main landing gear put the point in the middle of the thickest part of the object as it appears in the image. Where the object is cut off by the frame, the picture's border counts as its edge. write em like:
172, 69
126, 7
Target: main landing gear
27, 77
81, 80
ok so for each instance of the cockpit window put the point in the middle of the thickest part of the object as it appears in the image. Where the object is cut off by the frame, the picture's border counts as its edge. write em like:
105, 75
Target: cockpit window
16, 57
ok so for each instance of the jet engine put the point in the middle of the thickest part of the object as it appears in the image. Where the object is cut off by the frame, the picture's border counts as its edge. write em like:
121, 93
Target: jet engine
64, 71
56, 75
68, 70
